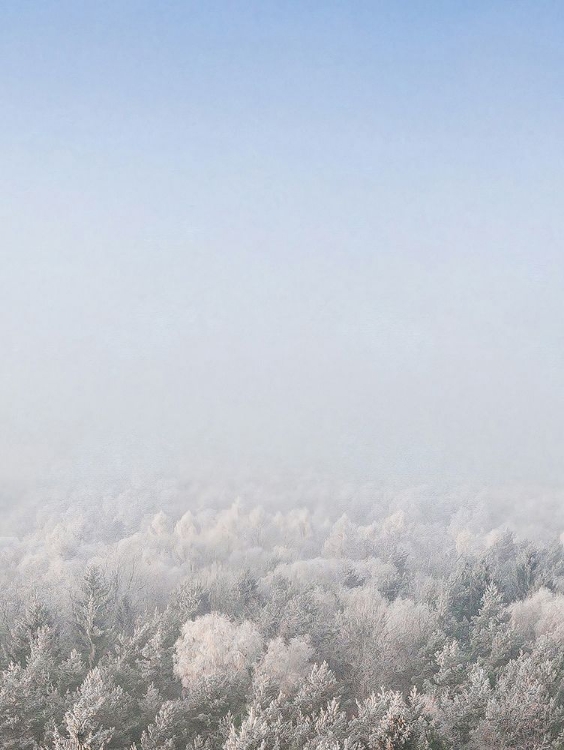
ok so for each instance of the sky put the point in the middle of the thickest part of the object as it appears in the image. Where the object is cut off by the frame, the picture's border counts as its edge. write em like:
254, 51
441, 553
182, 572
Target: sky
294, 236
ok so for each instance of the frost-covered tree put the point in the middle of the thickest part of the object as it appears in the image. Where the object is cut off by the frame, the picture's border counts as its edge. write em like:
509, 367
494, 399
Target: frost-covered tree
94, 608
214, 648
98, 713
29, 699
284, 667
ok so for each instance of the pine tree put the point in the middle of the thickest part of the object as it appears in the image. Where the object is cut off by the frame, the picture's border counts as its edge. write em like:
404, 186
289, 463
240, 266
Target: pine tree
93, 611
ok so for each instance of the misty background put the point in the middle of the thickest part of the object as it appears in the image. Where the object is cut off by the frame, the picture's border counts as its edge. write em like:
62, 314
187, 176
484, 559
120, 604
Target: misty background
281, 238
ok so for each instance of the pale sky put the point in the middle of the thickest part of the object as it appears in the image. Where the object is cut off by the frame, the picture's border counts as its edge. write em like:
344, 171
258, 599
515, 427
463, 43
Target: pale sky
319, 236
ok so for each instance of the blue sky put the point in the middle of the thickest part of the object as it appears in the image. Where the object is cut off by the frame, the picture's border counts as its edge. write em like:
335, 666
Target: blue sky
316, 236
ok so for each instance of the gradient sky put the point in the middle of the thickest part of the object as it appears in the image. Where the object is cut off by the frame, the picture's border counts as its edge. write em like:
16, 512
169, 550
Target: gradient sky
317, 236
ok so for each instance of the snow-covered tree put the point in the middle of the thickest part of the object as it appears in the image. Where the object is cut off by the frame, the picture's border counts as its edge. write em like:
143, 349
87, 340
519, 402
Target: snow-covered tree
213, 648
94, 613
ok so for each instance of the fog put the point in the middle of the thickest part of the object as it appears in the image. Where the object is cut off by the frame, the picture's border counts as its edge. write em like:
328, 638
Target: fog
258, 240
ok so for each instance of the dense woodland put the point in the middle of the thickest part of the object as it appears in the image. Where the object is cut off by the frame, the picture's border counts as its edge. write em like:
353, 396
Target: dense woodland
351, 621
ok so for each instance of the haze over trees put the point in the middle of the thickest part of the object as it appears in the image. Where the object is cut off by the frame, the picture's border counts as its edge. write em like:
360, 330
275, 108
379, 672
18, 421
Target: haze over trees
398, 623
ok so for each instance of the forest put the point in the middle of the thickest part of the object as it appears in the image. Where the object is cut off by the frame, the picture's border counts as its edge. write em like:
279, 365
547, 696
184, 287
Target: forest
358, 619
282, 378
